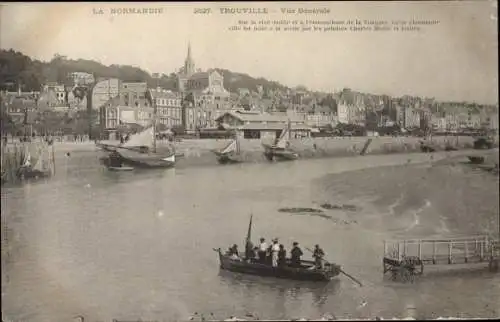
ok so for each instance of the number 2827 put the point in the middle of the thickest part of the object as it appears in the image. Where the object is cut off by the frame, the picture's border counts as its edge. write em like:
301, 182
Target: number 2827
202, 10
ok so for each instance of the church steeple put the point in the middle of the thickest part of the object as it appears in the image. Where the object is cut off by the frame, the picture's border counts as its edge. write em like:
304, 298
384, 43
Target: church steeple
189, 67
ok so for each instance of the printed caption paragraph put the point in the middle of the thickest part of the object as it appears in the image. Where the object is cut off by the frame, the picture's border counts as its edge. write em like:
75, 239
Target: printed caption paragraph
330, 25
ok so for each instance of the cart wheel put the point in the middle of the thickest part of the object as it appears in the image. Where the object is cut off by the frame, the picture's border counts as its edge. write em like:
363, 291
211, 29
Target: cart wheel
394, 273
404, 273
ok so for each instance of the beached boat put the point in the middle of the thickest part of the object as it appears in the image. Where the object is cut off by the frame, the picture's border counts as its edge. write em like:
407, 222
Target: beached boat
474, 159
141, 151
280, 150
33, 170
483, 143
229, 154
307, 270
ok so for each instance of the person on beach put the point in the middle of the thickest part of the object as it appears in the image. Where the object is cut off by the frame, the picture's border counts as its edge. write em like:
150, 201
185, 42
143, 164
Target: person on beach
296, 253
318, 255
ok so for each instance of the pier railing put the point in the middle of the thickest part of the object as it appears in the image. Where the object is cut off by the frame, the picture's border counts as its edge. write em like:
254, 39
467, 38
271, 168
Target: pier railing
444, 251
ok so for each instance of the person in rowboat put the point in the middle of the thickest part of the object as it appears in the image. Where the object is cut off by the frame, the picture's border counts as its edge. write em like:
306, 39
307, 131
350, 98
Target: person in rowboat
249, 250
296, 253
274, 252
262, 250
282, 256
318, 255
234, 250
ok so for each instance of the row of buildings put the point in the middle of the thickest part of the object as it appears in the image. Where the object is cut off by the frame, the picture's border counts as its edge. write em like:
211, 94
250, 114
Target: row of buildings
201, 101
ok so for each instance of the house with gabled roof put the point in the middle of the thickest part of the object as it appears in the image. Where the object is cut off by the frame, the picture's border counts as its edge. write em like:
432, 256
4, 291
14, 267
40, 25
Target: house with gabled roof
256, 125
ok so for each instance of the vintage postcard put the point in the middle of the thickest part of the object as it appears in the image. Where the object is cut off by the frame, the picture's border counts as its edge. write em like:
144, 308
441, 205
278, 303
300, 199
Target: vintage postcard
238, 161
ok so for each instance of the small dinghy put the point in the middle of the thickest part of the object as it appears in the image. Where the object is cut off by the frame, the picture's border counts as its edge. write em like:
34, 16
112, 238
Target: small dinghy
120, 168
476, 159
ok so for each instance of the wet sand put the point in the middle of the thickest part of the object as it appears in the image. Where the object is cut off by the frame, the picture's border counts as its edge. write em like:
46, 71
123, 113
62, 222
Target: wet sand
447, 197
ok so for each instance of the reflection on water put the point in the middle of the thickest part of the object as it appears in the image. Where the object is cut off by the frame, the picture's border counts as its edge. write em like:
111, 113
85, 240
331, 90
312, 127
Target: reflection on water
138, 245
283, 288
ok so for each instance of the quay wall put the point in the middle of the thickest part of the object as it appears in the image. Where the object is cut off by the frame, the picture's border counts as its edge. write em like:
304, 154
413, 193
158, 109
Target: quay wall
326, 147
199, 151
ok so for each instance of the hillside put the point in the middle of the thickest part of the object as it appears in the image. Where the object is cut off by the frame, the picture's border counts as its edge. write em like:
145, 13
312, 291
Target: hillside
17, 68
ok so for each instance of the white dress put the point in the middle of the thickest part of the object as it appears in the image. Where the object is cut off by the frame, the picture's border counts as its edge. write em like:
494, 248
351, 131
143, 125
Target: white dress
275, 249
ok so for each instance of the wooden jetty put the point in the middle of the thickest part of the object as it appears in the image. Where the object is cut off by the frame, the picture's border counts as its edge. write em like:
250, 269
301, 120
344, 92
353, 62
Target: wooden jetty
407, 258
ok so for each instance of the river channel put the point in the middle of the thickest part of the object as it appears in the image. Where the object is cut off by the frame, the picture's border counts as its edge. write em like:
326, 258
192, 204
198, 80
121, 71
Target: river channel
138, 245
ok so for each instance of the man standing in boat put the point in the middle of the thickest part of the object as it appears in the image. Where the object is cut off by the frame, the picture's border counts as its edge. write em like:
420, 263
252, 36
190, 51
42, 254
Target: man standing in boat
249, 250
296, 253
282, 256
318, 255
274, 252
262, 250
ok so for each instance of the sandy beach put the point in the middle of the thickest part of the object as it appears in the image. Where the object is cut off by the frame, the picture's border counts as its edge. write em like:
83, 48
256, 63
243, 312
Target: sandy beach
444, 198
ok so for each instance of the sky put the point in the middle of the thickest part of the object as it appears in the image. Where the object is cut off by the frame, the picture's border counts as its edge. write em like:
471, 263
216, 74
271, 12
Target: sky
456, 59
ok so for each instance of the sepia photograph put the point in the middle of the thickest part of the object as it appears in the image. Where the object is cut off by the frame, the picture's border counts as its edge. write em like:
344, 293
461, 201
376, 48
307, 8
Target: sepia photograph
247, 161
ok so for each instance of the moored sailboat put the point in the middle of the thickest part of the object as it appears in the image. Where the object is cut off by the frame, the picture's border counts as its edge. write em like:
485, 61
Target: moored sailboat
280, 150
231, 153
140, 151
34, 169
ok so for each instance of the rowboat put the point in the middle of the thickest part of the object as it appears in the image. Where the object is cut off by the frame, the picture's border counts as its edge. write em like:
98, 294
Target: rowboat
307, 270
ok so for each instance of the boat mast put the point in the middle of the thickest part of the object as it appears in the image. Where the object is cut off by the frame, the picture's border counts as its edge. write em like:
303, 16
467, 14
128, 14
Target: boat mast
237, 142
289, 129
249, 233
155, 109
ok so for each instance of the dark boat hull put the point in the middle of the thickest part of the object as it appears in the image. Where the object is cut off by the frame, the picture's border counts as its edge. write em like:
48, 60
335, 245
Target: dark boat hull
142, 161
281, 155
150, 164
118, 169
229, 158
476, 159
28, 173
300, 274
273, 153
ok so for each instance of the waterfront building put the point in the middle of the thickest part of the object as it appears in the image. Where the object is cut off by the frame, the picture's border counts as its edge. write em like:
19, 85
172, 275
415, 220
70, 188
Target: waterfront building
81, 78
438, 124
58, 90
351, 108
204, 93
104, 90
320, 116
411, 117
17, 105
112, 115
169, 107
256, 125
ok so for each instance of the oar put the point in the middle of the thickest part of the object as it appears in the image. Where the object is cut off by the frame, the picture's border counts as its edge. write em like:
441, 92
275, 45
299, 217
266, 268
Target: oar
340, 269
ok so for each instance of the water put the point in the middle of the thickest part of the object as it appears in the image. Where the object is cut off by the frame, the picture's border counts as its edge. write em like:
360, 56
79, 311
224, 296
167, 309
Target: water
139, 245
